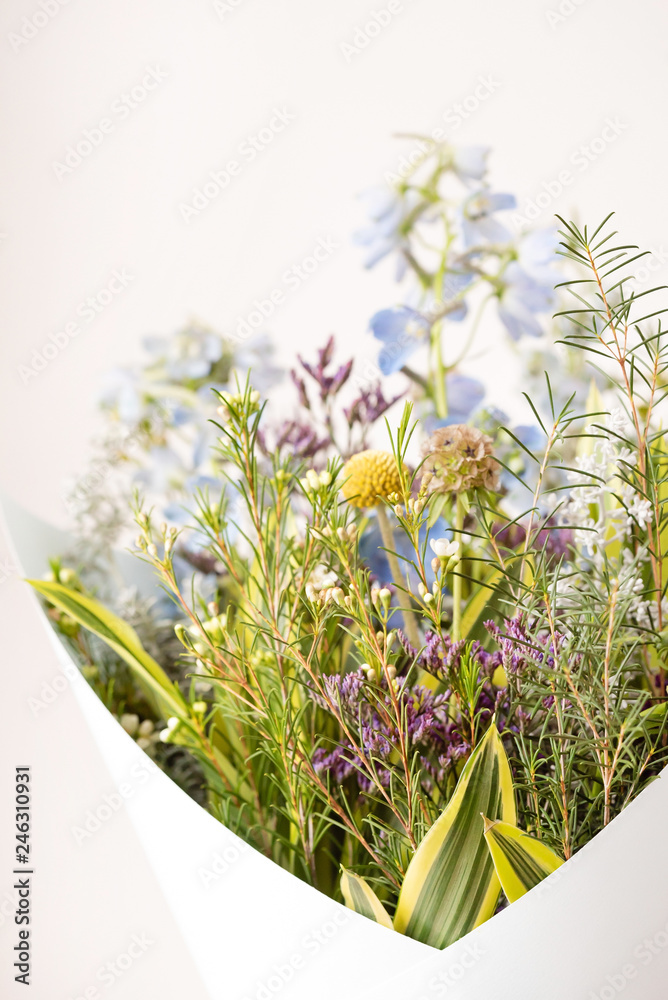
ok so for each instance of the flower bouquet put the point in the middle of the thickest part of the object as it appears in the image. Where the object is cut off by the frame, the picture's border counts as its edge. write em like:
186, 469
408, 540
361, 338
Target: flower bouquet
411, 650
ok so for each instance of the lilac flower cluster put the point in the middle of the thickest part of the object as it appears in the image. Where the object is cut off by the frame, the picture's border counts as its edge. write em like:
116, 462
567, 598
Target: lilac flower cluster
430, 722
523, 646
315, 428
369, 714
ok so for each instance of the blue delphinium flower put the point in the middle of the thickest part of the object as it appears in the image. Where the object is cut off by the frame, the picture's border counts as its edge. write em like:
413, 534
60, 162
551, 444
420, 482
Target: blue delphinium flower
464, 396
402, 330
470, 162
388, 211
529, 285
121, 391
188, 354
478, 223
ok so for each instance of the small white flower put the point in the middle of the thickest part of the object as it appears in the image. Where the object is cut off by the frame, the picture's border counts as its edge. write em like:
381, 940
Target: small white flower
443, 548
639, 512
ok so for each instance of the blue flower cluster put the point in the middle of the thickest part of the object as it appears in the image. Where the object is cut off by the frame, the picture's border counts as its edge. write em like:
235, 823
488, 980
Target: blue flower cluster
447, 229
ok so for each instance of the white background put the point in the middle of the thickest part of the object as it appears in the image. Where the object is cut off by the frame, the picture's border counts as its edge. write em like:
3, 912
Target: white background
555, 86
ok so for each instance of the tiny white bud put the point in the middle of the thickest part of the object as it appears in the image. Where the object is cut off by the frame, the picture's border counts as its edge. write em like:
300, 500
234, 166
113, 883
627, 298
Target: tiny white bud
385, 597
313, 479
130, 723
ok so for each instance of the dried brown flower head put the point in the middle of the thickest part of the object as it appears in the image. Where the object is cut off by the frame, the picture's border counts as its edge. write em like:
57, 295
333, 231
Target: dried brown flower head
459, 458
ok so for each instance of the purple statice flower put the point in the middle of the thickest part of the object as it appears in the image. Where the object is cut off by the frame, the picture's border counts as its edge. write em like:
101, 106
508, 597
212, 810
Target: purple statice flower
369, 716
369, 406
523, 646
328, 384
301, 439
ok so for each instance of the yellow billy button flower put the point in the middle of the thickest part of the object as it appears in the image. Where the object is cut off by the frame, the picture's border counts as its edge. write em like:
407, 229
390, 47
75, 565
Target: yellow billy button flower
370, 476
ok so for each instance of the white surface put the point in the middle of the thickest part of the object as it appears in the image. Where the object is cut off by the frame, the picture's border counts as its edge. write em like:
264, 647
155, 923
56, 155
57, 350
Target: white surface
232, 924
557, 84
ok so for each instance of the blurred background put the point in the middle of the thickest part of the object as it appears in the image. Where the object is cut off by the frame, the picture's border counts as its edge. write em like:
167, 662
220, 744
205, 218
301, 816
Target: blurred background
116, 115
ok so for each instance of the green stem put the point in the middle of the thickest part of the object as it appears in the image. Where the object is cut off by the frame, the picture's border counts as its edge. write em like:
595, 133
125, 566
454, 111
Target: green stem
456, 578
410, 623
440, 390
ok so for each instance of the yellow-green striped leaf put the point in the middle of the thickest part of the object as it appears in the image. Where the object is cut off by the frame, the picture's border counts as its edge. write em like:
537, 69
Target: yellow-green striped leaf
451, 886
122, 638
360, 897
521, 861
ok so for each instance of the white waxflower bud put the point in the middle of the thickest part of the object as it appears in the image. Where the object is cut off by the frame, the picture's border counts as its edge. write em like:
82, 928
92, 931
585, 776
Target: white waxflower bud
313, 479
342, 534
325, 478
422, 590
385, 597
428, 598
398, 510
391, 672
130, 723
146, 728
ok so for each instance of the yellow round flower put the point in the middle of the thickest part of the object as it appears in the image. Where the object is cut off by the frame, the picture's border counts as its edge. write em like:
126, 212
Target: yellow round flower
369, 477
